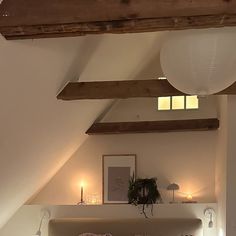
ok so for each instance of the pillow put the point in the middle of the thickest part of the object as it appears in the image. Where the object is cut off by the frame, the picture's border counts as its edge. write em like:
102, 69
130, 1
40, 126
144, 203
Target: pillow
91, 234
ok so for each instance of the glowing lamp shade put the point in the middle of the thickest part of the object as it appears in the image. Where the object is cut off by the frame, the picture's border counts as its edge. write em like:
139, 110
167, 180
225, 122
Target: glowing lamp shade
200, 62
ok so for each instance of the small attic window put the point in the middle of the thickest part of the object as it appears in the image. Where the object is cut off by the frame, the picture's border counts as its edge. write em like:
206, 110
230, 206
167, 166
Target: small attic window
172, 103
178, 103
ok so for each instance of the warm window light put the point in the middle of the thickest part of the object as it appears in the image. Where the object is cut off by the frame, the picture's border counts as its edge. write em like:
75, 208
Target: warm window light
178, 102
192, 102
164, 103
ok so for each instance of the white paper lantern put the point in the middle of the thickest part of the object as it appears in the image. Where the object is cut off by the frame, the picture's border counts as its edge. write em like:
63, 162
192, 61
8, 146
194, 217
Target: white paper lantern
200, 62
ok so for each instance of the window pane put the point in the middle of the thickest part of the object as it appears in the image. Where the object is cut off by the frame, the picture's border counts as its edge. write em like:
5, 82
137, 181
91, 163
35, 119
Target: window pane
192, 102
178, 102
163, 103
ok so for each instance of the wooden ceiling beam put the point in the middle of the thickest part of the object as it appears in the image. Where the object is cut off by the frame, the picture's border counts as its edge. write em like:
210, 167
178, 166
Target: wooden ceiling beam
153, 126
115, 27
21, 19
124, 89
117, 89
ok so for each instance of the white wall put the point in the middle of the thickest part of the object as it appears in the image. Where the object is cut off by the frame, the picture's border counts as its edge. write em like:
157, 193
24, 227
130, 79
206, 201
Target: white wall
221, 164
38, 132
225, 167
186, 158
146, 109
25, 222
231, 166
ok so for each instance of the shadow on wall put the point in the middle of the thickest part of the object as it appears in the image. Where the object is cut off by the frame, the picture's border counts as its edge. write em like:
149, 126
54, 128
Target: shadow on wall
164, 156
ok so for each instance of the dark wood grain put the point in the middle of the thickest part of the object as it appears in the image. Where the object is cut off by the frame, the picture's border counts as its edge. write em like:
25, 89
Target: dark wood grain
20, 19
124, 89
153, 126
117, 89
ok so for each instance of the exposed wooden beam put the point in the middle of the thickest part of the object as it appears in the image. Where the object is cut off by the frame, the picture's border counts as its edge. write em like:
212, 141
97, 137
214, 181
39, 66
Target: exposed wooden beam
124, 89
116, 27
117, 89
153, 126
20, 19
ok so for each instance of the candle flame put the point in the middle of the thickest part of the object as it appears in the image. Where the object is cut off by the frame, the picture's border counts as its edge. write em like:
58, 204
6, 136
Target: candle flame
82, 184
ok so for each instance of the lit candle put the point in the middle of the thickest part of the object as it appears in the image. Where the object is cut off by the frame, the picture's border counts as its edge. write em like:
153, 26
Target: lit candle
82, 193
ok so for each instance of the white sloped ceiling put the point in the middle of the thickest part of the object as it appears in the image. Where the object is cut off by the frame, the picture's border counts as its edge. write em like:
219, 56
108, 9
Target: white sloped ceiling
38, 134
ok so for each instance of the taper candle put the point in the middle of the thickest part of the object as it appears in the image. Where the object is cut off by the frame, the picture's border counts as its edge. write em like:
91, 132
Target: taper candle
82, 194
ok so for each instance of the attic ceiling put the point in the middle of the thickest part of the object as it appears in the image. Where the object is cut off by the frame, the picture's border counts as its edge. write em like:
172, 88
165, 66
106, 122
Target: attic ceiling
40, 133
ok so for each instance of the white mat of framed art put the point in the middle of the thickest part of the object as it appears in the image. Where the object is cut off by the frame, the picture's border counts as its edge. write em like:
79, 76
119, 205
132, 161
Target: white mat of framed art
117, 171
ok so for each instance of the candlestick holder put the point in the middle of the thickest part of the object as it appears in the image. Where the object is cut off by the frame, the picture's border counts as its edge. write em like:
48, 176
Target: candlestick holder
82, 202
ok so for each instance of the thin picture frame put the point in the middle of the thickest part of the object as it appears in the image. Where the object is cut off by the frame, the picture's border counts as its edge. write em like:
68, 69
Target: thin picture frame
116, 172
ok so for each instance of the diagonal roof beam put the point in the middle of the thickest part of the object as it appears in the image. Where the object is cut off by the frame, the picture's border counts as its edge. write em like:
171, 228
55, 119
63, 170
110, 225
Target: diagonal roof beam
153, 126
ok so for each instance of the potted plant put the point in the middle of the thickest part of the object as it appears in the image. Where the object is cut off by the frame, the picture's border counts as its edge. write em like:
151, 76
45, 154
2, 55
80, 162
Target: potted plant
143, 192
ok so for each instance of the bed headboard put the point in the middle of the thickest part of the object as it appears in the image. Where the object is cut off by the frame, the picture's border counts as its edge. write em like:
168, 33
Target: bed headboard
126, 227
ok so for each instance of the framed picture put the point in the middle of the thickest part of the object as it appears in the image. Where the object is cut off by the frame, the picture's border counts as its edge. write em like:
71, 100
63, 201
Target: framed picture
117, 171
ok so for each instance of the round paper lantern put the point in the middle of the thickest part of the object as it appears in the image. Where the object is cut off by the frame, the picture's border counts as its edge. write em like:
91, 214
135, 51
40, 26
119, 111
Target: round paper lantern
200, 62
